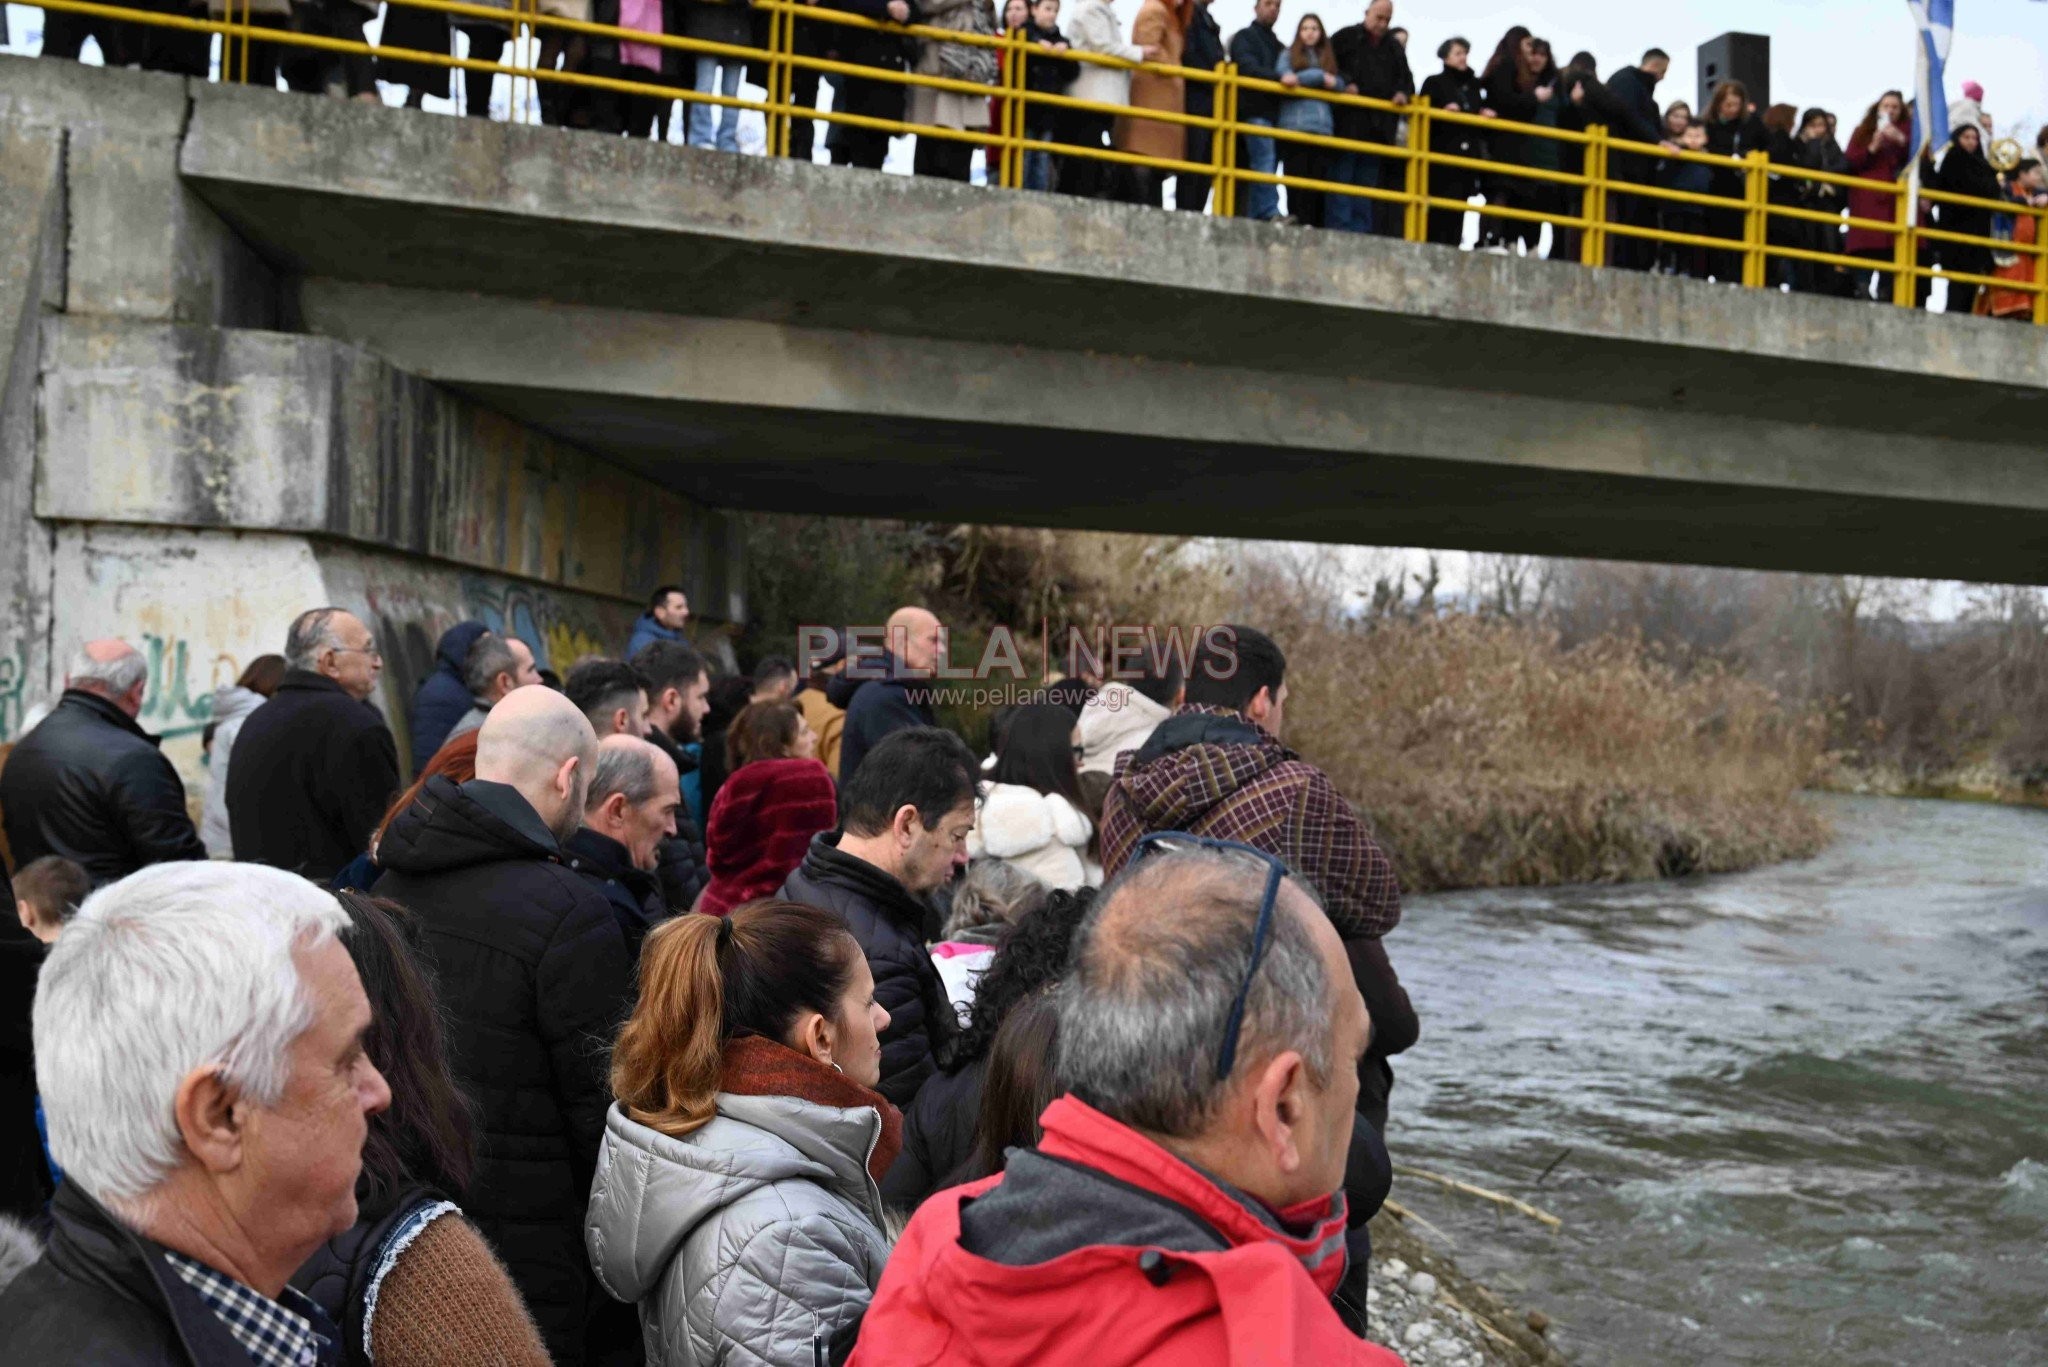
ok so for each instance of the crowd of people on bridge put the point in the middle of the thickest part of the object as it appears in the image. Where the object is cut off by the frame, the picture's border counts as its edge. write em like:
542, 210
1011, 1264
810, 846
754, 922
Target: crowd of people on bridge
578, 1045
1521, 85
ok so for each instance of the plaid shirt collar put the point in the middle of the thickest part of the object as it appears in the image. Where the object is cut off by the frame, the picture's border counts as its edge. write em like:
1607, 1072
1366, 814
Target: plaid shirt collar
274, 1334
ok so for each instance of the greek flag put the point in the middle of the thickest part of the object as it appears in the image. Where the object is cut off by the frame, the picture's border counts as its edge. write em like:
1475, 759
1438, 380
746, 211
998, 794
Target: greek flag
1936, 20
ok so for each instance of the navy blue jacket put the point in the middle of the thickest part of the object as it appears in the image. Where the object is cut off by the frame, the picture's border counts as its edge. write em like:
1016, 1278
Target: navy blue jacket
443, 697
879, 708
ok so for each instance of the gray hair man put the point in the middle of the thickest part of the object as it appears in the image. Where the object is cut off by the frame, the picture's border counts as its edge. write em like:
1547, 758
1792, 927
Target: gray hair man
532, 968
1191, 1178
630, 810
494, 666
89, 784
316, 766
199, 1051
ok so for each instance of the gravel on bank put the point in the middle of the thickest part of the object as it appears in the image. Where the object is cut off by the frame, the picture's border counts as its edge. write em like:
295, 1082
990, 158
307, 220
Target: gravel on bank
1433, 1315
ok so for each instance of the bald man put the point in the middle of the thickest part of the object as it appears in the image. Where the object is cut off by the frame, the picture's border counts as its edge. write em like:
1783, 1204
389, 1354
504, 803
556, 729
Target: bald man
897, 700
535, 976
89, 783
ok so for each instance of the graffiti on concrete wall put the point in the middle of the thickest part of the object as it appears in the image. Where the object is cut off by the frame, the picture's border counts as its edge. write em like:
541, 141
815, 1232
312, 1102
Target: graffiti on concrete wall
410, 607
13, 679
176, 703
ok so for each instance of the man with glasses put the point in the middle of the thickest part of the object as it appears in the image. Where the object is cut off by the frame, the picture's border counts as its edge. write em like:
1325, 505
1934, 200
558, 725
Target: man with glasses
1185, 1201
315, 766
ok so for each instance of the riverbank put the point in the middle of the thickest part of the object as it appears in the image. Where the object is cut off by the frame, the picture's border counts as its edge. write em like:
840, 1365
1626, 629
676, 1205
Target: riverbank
1982, 782
1424, 1308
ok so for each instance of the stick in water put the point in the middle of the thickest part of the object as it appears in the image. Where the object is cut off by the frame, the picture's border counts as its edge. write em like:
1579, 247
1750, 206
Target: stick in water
1542, 1217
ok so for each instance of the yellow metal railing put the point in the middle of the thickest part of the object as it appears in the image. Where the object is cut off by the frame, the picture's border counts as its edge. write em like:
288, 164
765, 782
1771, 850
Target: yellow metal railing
1596, 189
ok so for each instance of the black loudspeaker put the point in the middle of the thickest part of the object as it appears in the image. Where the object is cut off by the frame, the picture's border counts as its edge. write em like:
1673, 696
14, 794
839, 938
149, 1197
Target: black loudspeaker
1744, 57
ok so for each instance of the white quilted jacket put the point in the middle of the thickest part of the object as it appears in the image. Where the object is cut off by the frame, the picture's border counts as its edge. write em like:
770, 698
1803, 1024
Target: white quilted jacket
751, 1241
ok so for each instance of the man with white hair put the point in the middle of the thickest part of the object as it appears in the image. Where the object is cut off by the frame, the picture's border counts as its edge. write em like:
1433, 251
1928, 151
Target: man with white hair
199, 1049
535, 976
89, 783
630, 810
315, 766
1186, 1199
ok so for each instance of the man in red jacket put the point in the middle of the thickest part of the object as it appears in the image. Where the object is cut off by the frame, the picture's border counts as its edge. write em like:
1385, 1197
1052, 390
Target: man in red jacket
1184, 1206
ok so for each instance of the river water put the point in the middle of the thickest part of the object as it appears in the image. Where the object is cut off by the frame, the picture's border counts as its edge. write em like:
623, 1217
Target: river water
1806, 1107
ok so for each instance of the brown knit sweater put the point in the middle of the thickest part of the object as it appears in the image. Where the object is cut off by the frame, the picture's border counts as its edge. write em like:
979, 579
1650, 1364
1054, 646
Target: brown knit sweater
448, 1299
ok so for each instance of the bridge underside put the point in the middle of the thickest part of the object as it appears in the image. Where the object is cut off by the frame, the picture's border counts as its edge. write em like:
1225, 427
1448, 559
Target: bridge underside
755, 334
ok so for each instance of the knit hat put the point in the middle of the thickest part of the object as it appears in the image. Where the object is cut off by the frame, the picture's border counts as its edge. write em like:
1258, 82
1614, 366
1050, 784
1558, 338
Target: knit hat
1972, 91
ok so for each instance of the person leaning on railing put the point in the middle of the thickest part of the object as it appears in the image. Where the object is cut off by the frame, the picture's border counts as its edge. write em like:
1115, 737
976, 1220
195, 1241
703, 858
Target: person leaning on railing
2028, 185
948, 157
1878, 150
1202, 50
1045, 73
1733, 131
1161, 27
1309, 63
1629, 109
1093, 27
1454, 90
853, 145
1256, 51
1376, 65
711, 125
1520, 80
1963, 170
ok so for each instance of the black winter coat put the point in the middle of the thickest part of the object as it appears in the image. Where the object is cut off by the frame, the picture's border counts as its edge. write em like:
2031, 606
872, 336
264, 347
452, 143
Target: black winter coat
1966, 173
682, 868
314, 771
1630, 111
535, 978
91, 785
1201, 49
938, 1135
889, 923
879, 708
103, 1296
635, 896
1735, 138
1379, 70
24, 1176
1257, 51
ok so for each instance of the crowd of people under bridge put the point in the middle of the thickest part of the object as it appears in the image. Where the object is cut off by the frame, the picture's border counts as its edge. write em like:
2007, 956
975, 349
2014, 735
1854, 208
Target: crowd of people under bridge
1521, 83
672, 1015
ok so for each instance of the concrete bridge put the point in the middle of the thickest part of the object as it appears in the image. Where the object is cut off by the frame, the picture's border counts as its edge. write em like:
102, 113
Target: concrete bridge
445, 364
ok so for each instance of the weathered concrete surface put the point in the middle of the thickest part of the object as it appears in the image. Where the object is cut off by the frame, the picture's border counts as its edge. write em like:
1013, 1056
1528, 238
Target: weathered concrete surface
175, 472
790, 336
201, 604
265, 431
141, 245
764, 415
31, 286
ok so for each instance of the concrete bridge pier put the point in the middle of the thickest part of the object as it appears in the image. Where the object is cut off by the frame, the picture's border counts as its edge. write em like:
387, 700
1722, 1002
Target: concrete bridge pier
179, 468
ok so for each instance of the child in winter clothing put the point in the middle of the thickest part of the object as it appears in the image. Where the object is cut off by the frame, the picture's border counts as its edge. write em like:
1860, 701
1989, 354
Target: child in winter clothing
1695, 178
1044, 74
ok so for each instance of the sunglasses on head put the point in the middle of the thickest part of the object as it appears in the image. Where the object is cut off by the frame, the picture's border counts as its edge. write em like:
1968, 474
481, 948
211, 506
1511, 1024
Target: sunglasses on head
1276, 872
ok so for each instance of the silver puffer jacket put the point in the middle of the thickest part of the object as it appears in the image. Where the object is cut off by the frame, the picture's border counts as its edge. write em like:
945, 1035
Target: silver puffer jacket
751, 1241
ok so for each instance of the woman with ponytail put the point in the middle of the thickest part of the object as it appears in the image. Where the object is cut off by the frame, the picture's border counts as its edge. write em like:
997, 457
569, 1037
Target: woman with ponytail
736, 1198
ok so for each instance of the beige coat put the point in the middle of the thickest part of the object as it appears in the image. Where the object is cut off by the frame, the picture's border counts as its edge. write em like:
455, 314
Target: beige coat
1158, 24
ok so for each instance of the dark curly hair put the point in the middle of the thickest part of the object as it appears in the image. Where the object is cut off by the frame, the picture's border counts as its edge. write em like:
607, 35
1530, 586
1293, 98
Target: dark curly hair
1030, 956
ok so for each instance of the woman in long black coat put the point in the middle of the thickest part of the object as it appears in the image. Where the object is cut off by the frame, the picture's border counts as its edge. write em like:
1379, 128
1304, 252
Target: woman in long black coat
1455, 88
1733, 130
1964, 171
